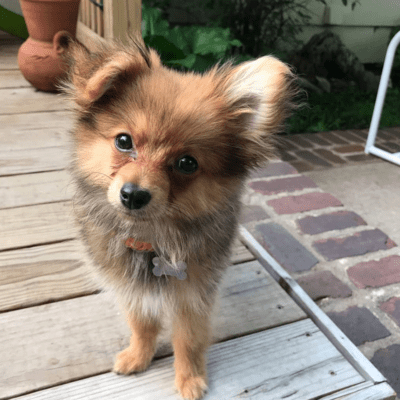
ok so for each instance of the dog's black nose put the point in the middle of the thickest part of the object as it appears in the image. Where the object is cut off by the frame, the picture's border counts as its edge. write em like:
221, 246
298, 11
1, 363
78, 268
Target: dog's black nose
134, 197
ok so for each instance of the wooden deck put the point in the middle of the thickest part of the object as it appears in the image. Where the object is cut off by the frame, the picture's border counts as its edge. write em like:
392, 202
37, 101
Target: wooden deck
59, 334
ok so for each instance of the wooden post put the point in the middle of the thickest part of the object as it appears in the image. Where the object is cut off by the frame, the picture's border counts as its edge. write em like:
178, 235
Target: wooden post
122, 17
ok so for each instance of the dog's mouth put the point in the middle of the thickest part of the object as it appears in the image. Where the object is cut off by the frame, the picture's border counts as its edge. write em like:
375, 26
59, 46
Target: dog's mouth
146, 214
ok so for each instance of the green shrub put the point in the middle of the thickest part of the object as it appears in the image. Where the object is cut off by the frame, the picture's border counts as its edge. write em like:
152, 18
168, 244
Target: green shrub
351, 109
195, 48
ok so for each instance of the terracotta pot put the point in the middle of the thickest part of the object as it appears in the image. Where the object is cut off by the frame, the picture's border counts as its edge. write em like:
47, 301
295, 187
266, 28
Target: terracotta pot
39, 57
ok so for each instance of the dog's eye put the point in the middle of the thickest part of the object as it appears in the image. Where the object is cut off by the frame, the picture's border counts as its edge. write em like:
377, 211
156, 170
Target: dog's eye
123, 142
186, 165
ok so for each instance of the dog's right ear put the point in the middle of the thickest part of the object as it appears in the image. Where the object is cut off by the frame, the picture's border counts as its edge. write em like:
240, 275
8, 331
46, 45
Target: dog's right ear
91, 75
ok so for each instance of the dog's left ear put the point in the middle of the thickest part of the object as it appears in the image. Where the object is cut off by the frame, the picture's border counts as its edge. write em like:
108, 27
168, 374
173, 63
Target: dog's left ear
260, 92
92, 75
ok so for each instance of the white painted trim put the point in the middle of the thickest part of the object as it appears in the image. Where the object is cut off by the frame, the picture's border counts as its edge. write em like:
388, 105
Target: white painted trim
324, 323
380, 100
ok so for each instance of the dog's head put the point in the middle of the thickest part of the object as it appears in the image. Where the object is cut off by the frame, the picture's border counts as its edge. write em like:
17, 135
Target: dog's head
164, 143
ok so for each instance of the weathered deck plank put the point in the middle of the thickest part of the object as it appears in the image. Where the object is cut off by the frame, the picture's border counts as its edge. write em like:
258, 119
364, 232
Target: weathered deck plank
54, 343
41, 274
364, 391
9, 51
13, 79
28, 148
273, 364
31, 189
28, 161
38, 224
27, 100
31, 130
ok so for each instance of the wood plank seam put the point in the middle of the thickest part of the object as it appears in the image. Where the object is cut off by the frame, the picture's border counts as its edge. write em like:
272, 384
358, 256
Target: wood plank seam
36, 245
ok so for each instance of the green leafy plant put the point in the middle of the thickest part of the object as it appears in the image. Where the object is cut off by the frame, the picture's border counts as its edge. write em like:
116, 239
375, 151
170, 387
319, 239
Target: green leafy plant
191, 48
350, 109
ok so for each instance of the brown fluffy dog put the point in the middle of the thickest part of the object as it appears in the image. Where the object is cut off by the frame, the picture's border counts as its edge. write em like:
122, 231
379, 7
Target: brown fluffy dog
159, 162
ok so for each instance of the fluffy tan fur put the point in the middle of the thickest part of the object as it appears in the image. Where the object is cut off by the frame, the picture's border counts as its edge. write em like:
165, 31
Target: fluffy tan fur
225, 119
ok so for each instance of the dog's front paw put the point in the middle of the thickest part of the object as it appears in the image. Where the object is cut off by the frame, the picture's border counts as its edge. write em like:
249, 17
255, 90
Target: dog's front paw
191, 388
130, 361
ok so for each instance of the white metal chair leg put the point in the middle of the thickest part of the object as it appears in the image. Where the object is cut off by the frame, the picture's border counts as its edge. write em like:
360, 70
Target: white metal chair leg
380, 99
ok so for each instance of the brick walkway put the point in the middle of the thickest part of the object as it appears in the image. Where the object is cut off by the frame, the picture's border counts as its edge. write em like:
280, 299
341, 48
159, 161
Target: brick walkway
329, 149
350, 269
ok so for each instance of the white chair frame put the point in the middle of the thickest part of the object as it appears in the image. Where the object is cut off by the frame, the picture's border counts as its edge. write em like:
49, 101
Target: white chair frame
370, 147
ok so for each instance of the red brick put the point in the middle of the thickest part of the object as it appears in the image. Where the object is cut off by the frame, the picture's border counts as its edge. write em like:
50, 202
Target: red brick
282, 185
392, 307
383, 272
305, 202
274, 169
357, 244
323, 284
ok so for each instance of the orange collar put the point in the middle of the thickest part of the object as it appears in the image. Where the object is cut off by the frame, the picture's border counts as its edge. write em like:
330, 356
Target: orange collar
138, 245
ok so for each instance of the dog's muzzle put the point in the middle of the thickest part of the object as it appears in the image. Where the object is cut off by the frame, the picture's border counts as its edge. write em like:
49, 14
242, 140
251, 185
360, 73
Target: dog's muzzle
134, 197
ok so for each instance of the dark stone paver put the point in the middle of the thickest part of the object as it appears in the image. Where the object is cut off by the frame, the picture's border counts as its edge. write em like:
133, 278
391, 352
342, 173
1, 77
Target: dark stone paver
387, 362
288, 251
286, 144
323, 284
351, 148
382, 134
383, 272
252, 213
360, 157
316, 139
274, 169
391, 146
329, 156
359, 325
312, 158
305, 202
299, 141
392, 307
302, 166
283, 185
329, 222
285, 156
349, 136
335, 139
357, 244
363, 134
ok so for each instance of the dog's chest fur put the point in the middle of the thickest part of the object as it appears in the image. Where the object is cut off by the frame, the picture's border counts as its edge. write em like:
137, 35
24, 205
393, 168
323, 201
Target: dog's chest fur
203, 244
